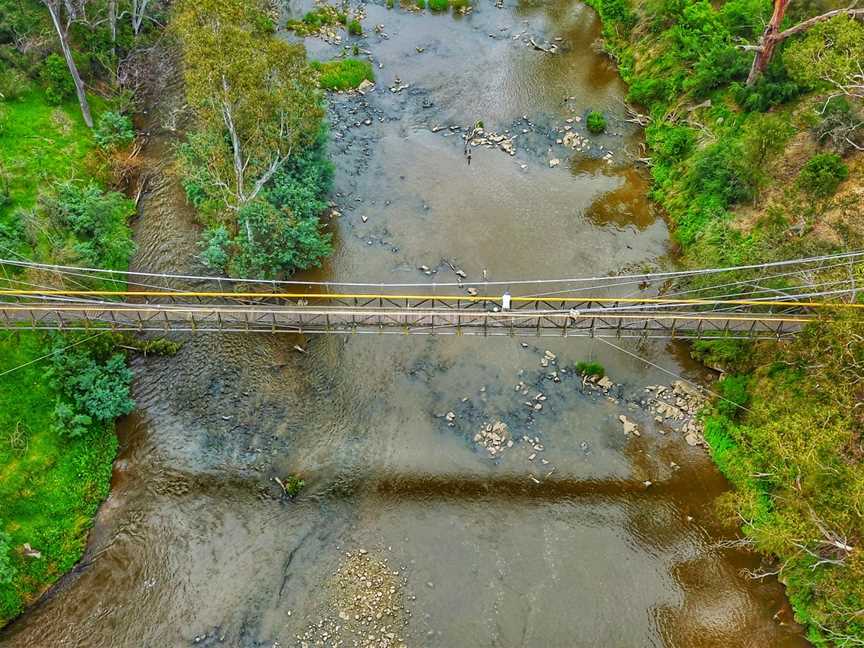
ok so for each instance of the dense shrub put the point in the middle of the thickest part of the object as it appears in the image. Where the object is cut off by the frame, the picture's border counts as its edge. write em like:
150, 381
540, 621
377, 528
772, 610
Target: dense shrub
55, 76
646, 91
93, 385
355, 28
829, 50
302, 184
595, 122
773, 88
716, 67
99, 221
669, 143
273, 242
733, 390
13, 83
721, 170
215, 252
822, 174
113, 130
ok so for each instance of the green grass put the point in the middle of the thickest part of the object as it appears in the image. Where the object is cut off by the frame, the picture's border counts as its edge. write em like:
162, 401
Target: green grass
50, 487
39, 144
343, 74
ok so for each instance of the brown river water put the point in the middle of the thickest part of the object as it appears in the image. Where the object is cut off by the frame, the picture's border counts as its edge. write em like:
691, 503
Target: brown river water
194, 547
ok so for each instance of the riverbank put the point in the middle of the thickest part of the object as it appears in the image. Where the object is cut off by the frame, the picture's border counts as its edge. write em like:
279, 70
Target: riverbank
750, 174
59, 394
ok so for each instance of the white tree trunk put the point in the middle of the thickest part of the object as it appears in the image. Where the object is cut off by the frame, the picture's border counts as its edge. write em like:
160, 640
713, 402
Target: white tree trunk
63, 35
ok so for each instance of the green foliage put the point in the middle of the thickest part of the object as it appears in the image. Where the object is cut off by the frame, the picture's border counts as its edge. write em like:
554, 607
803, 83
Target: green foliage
301, 185
830, 50
98, 219
591, 369
152, 346
355, 28
216, 247
113, 130
7, 569
56, 79
13, 84
439, 5
343, 74
595, 122
272, 242
716, 67
772, 89
733, 389
822, 174
92, 387
721, 171
313, 21
728, 354
293, 485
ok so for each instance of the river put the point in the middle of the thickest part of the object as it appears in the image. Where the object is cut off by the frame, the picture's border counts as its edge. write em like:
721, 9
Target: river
194, 545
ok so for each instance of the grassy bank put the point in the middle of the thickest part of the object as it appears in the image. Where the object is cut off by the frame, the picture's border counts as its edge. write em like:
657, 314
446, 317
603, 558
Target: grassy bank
59, 395
56, 414
752, 174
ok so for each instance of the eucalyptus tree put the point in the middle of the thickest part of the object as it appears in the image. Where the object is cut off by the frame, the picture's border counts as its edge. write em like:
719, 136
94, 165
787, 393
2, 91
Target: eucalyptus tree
64, 13
254, 96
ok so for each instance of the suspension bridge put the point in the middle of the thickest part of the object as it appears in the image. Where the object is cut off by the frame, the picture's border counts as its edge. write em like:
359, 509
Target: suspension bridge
621, 306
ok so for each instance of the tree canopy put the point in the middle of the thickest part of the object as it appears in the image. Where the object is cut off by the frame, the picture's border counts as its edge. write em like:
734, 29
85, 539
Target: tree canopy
253, 93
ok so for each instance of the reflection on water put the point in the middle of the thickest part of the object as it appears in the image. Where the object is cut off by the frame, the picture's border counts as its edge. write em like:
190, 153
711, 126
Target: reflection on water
194, 542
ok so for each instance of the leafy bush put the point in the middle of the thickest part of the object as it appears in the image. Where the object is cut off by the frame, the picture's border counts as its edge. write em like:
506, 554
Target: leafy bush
292, 485
113, 130
93, 387
617, 11
822, 174
343, 74
56, 78
98, 220
273, 242
716, 67
648, 90
669, 143
721, 170
302, 185
215, 246
595, 122
734, 390
439, 5
590, 369
13, 84
355, 28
